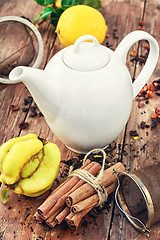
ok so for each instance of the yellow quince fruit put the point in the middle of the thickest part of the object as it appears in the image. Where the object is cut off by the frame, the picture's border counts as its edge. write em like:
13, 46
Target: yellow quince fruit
29, 165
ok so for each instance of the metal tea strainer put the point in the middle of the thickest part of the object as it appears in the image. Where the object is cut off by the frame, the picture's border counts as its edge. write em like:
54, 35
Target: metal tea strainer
20, 44
138, 195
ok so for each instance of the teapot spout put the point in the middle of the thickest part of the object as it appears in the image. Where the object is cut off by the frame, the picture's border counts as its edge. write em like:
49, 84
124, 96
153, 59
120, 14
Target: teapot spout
43, 89
24, 74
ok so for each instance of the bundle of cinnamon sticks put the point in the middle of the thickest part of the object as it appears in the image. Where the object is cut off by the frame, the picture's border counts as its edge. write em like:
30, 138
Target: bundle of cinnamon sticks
74, 198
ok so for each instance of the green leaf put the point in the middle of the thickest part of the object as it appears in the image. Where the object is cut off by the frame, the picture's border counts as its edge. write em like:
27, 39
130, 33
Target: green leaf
54, 21
5, 194
46, 12
64, 7
45, 2
36, 18
48, 2
92, 3
55, 16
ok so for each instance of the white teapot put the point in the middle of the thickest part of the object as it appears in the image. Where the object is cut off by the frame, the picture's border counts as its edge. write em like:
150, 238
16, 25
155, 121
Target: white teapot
86, 92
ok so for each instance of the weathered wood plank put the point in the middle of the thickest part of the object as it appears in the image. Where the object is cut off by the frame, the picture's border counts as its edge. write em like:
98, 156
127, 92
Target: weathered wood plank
122, 16
145, 150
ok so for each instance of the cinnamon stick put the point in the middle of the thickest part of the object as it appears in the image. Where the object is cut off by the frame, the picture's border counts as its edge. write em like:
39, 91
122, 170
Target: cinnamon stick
91, 201
87, 190
50, 221
73, 219
61, 190
94, 169
38, 218
61, 216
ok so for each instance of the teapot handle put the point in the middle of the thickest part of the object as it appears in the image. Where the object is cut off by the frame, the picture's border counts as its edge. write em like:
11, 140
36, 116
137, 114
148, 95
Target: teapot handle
151, 62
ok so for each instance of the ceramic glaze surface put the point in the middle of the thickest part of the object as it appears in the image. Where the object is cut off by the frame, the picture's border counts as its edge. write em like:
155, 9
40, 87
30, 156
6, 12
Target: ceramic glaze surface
87, 109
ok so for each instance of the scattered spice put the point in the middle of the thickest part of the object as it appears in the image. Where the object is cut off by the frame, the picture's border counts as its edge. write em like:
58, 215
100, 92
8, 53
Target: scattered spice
140, 104
28, 100
153, 124
154, 116
25, 109
141, 22
147, 93
33, 114
134, 134
142, 58
14, 107
143, 148
115, 33
134, 53
142, 125
40, 114
23, 125
140, 28
34, 108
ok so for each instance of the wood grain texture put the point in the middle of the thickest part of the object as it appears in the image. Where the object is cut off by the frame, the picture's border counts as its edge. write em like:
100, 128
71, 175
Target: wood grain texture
16, 216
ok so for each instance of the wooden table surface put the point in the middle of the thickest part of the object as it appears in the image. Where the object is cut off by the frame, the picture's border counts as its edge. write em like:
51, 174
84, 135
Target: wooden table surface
16, 216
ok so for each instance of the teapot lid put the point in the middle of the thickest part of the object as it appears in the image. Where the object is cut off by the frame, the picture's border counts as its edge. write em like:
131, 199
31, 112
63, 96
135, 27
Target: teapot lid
86, 56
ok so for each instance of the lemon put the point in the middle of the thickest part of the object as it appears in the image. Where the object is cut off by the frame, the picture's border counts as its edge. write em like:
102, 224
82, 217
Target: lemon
80, 20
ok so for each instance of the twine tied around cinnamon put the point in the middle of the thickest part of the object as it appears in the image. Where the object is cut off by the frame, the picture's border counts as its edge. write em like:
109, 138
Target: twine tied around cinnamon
93, 181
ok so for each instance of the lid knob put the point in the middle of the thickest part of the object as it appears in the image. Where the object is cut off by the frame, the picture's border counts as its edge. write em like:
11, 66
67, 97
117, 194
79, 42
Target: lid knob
86, 56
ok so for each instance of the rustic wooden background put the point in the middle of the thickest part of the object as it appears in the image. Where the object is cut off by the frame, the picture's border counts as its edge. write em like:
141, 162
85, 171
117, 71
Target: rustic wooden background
16, 216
